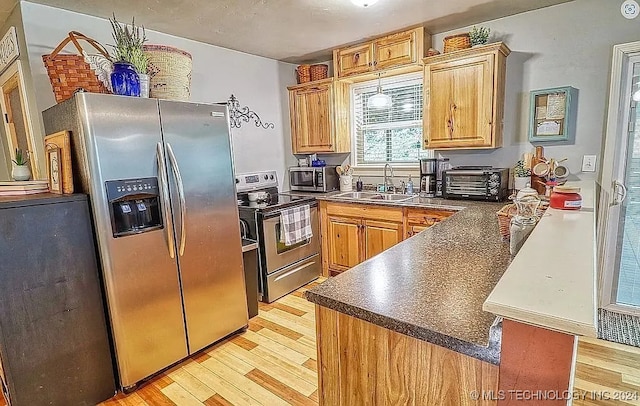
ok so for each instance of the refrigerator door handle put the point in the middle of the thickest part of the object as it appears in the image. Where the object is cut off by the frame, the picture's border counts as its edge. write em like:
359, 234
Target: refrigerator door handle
164, 196
183, 206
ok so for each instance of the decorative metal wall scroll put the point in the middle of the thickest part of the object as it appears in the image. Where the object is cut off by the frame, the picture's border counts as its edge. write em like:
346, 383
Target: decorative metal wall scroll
238, 115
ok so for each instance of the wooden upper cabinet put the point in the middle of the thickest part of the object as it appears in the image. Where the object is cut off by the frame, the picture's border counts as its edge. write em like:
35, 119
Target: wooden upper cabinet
319, 117
353, 60
313, 121
464, 98
391, 51
397, 49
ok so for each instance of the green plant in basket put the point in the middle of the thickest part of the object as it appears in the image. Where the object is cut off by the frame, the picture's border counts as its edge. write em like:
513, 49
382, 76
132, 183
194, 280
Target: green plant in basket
479, 35
22, 157
129, 40
520, 171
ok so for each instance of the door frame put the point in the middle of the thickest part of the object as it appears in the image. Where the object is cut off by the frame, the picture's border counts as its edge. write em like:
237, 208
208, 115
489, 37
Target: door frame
12, 70
615, 149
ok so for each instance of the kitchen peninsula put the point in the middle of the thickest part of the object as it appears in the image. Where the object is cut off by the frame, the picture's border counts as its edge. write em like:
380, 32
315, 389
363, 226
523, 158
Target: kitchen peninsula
408, 325
417, 306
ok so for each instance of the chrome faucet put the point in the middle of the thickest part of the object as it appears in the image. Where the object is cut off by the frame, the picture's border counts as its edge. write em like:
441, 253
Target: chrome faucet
388, 188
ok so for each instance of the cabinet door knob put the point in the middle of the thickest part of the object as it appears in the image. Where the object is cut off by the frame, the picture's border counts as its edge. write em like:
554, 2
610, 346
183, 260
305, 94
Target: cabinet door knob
356, 56
375, 63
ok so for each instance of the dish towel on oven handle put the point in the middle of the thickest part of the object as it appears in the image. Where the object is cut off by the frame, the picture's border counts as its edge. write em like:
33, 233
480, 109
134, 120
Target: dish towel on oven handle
295, 225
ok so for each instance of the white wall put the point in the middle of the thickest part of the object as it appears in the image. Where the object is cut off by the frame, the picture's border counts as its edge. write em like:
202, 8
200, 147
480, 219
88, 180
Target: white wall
257, 82
565, 45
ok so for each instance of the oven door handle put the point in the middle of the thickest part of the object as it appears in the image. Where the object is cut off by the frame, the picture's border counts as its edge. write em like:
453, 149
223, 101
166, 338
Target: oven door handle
270, 215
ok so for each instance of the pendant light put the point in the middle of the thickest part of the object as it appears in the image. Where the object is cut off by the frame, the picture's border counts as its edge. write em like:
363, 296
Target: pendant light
379, 100
364, 3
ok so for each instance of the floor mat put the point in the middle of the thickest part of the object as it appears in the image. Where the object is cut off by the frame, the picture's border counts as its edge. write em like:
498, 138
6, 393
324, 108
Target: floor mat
619, 328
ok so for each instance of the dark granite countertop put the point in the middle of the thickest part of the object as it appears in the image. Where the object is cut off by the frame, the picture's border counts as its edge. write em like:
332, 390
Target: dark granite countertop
432, 285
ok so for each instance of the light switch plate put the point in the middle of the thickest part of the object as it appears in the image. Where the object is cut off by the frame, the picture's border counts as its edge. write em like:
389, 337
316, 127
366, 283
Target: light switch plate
589, 163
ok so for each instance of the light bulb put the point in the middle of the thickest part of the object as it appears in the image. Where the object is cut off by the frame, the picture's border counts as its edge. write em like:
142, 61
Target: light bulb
379, 101
364, 3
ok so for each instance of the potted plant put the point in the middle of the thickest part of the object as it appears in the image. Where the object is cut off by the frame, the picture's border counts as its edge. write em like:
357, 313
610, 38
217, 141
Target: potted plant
521, 176
479, 35
21, 169
129, 77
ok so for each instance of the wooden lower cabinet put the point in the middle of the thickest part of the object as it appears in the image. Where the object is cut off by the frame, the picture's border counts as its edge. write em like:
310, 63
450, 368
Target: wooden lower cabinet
360, 363
417, 220
346, 242
379, 236
353, 232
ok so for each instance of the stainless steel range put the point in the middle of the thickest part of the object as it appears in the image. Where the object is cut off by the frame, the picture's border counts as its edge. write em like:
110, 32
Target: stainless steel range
283, 268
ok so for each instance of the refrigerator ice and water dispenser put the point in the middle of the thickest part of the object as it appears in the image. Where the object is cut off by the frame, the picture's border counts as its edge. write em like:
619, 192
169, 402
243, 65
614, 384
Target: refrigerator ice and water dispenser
134, 206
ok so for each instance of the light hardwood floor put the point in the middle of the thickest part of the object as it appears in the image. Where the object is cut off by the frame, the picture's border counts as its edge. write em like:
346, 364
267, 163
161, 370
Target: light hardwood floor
272, 363
606, 373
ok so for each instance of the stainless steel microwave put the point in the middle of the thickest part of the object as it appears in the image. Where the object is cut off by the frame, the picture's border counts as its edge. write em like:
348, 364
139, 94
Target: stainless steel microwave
313, 179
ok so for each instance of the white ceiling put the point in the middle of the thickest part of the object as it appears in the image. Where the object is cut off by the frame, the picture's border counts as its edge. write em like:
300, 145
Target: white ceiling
292, 30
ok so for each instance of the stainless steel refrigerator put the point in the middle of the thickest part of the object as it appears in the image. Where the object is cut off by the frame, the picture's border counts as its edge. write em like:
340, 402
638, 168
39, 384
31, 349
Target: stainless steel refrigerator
161, 184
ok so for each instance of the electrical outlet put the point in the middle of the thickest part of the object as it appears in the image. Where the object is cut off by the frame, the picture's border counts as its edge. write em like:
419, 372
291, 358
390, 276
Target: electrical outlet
589, 163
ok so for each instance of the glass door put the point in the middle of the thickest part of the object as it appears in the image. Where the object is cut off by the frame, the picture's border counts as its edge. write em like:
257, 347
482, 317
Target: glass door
619, 203
627, 289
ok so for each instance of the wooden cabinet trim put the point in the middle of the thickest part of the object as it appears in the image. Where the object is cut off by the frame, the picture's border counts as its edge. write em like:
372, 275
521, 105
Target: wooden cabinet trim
363, 211
496, 47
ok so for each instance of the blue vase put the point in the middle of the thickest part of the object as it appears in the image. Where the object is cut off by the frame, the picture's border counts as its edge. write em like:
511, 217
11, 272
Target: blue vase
125, 79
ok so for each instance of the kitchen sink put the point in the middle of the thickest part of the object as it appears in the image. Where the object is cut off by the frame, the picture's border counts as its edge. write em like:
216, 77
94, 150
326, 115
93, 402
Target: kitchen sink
357, 195
374, 196
389, 197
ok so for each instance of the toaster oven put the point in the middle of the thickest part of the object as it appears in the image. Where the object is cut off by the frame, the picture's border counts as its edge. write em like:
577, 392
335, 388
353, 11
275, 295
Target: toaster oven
476, 183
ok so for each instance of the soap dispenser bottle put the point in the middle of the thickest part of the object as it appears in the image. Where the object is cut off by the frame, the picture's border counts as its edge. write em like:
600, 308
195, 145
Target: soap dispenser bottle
409, 186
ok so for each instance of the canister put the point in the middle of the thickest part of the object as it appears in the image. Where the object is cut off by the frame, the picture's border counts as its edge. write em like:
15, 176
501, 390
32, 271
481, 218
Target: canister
565, 198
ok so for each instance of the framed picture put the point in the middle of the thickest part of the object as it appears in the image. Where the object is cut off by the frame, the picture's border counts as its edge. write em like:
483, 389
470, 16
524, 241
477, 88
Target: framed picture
552, 114
54, 169
62, 140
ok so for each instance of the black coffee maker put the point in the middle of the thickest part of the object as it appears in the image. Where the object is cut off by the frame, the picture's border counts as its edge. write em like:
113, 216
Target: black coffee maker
431, 176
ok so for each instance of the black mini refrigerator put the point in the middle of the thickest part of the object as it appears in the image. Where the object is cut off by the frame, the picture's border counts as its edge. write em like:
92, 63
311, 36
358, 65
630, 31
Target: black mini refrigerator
54, 345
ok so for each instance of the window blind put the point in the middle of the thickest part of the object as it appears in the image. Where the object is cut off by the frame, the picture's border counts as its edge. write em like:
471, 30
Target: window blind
393, 134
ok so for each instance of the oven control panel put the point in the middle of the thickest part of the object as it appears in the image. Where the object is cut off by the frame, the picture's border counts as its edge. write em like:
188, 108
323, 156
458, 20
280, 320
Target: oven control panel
257, 180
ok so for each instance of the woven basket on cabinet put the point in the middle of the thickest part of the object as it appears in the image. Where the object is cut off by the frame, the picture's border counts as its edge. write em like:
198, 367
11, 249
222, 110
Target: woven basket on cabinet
457, 42
318, 72
304, 73
70, 72
169, 72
